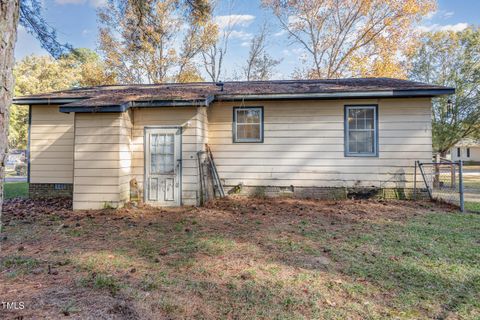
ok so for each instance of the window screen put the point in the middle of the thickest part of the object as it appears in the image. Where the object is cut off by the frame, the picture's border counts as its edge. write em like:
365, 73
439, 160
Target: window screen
248, 124
361, 131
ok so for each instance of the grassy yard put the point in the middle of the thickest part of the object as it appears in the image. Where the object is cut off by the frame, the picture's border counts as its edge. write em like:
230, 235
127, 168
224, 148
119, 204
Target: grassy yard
245, 259
472, 206
16, 190
471, 181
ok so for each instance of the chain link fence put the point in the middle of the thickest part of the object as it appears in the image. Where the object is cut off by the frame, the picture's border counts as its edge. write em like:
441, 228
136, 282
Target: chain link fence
457, 183
471, 186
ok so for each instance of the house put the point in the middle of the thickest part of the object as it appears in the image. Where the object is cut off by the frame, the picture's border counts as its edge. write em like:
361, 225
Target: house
466, 150
313, 138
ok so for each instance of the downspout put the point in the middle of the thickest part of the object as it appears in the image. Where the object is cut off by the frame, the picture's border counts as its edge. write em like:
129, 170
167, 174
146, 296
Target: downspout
28, 141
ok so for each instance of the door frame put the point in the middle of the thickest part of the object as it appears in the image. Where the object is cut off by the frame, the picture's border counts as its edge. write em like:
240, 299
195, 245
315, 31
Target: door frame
180, 158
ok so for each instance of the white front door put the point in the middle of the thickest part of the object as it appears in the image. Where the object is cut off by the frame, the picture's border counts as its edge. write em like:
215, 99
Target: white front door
163, 166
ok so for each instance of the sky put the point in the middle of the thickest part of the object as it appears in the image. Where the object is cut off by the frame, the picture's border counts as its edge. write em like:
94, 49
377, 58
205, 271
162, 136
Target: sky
76, 23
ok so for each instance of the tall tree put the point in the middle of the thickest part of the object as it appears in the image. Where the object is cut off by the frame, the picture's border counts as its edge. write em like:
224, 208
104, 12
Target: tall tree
140, 39
213, 55
214, 52
345, 37
90, 69
259, 65
9, 13
451, 59
197, 38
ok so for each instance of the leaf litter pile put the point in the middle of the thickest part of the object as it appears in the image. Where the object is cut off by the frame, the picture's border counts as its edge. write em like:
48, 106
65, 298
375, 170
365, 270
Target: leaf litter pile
235, 258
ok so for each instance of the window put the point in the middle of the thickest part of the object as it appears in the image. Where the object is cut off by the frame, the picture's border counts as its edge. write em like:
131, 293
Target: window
468, 152
459, 152
248, 124
162, 154
361, 131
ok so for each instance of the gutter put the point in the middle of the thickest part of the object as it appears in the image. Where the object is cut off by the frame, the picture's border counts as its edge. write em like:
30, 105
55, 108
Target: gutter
111, 108
230, 97
137, 104
173, 103
338, 95
46, 101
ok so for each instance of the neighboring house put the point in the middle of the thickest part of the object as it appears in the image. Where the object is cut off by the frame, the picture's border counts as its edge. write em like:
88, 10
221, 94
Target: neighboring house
315, 138
466, 150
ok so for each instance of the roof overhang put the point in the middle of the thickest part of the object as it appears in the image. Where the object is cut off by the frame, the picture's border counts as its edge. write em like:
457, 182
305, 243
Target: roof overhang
340, 95
45, 101
88, 109
80, 104
122, 107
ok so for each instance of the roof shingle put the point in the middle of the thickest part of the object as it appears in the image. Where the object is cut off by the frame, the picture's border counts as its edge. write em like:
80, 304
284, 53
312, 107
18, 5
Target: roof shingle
204, 92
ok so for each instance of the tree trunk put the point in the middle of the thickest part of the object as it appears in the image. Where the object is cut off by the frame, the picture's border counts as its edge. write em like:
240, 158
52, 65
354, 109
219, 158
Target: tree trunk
9, 11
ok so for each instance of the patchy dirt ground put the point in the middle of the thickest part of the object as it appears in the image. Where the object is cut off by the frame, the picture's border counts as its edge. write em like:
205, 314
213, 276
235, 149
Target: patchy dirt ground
241, 258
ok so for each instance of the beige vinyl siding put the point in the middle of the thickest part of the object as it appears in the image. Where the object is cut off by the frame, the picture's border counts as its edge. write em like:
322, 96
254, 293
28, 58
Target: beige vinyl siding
194, 123
103, 160
51, 145
202, 128
304, 144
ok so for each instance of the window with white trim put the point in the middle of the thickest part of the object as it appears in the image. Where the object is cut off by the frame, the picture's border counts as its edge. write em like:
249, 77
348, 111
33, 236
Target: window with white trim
468, 152
248, 124
361, 131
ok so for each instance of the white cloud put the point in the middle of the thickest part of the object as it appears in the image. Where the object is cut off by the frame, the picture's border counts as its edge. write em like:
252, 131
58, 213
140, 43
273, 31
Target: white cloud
442, 14
280, 33
448, 14
98, 3
447, 27
242, 35
243, 20
245, 44
93, 3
